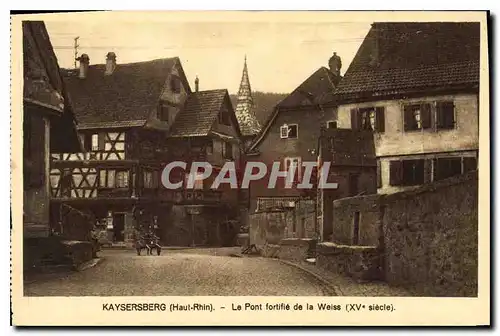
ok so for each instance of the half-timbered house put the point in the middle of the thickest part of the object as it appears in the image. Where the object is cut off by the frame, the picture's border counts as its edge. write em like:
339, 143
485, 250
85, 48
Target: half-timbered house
134, 119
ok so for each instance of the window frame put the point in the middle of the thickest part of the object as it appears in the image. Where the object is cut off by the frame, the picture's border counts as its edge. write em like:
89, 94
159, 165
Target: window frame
289, 129
398, 173
298, 171
94, 147
224, 118
332, 121
443, 167
284, 132
209, 147
110, 177
371, 116
227, 152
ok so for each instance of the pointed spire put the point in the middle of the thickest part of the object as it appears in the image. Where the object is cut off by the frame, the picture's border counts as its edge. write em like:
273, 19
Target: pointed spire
245, 113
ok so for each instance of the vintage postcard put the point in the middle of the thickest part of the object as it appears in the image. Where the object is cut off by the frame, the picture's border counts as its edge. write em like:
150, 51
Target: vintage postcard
250, 168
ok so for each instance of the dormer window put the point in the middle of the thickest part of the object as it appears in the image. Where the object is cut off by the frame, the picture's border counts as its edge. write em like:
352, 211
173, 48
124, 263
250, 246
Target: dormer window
224, 118
175, 84
164, 113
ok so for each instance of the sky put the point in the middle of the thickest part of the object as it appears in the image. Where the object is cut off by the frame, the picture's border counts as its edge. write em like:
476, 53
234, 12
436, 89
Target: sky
280, 55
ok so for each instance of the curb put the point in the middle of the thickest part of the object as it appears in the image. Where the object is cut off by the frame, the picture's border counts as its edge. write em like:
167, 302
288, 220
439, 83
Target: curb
334, 290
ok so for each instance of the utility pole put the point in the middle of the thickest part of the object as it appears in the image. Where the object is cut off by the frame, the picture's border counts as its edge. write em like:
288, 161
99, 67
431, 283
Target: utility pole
76, 48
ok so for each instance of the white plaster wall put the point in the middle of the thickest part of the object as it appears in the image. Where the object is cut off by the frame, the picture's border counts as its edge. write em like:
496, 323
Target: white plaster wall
394, 141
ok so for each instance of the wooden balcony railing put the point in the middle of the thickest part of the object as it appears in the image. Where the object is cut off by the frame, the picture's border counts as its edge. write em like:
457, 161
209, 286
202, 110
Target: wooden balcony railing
89, 156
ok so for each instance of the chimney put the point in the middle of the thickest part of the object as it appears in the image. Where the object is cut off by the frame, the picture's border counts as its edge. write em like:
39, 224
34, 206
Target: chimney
110, 63
196, 84
335, 64
84, 65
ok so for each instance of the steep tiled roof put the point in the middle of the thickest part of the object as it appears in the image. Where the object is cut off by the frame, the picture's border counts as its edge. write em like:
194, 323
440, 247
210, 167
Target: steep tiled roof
401, 57
199, 113
316, 89
44, 87
245, 113
130, 94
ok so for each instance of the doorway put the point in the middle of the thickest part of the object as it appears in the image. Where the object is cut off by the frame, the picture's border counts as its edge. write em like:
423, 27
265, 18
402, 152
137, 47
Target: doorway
353, 184
118, 227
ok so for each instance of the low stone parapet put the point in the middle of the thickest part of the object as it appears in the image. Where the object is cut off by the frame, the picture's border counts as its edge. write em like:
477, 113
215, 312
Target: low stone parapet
77, 252
297, 249
358, 262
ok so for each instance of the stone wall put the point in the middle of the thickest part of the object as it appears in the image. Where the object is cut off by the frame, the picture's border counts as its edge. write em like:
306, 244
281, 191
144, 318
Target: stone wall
358, 262
271, 226
431, 237
363, 209
423, 239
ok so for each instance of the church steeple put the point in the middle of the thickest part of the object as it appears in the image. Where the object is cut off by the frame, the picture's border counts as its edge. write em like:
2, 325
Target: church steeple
249, 125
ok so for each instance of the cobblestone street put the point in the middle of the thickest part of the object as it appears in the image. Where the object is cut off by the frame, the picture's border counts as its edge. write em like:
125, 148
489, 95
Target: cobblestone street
180, 272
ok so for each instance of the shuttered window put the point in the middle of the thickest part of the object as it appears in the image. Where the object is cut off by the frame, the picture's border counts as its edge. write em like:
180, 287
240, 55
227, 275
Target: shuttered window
379, 174
407, 172
396, 173
227, 150
380, 119
417, 116
470, 163
368, 118
122, 179
447, 167
295, 162
445, 115
354, 119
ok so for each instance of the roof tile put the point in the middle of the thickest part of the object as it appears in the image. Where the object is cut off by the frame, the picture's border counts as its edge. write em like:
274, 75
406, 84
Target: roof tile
199, 113
130, 93
412, 56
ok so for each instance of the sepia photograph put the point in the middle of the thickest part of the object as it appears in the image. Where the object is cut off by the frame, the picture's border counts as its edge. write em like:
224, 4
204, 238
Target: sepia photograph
250, 158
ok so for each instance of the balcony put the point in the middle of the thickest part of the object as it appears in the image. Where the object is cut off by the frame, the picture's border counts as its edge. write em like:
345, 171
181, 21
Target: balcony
89, 156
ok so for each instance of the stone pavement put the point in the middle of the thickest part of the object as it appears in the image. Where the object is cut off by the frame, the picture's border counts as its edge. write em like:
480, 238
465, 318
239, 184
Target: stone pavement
197, 272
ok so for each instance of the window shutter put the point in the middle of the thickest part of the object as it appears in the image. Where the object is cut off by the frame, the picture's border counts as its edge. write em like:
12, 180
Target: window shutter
380, 119
379, 174
407, 117
284, 132
470, 163
101, 137
428, 171
354, 119
426, 115
419, 170
396, 172
449, 114
445, 114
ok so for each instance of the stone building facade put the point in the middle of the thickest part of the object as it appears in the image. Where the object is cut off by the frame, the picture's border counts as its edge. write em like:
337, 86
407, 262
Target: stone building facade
416, 86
